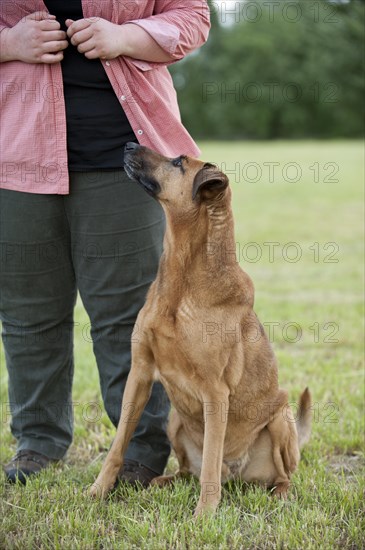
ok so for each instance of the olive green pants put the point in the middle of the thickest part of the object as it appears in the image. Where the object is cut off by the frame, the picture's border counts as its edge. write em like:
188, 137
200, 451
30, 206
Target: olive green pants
104, 240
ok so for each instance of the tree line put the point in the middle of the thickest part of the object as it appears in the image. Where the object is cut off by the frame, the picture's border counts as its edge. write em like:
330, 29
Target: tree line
277, 69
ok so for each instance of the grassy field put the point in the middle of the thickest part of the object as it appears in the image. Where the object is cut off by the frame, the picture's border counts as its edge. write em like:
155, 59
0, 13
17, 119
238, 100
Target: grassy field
299, 231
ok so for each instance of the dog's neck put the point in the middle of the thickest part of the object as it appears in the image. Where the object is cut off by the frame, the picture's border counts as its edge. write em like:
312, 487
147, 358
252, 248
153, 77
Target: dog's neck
211, 228
205, 243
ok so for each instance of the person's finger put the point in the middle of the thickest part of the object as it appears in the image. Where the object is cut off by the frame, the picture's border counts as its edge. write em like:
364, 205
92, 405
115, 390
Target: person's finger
52, 36
93, 54
81, 36
49, 25
69, 22
86, 46
40, 16
53, 47
51, 58
77, 26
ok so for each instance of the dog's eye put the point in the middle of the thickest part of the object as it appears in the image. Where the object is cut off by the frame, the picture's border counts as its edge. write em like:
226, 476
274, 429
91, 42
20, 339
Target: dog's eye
178, 161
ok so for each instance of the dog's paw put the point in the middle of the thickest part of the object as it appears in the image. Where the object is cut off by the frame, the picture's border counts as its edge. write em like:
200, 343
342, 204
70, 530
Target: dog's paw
280, 491
205, 509
162, 481
94, 491
98, 491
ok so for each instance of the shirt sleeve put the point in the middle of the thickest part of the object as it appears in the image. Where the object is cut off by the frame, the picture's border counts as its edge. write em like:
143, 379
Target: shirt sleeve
178, 27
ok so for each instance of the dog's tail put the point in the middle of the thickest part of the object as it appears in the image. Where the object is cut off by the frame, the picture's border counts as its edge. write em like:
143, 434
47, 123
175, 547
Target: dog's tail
304, 418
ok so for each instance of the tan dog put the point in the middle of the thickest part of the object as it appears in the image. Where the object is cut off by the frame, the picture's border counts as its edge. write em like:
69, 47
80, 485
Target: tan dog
199, 335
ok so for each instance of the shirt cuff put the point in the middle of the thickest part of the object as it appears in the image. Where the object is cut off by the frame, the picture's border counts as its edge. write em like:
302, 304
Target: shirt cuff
166, 35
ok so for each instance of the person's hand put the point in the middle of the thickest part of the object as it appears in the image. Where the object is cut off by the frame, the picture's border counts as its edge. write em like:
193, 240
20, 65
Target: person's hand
36, 38
96, 38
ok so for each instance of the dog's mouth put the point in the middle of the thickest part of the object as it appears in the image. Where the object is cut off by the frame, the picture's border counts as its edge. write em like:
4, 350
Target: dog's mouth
131, 167
135, 168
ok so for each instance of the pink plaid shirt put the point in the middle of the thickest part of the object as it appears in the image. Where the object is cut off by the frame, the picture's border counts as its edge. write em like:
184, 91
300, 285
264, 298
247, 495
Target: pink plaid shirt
33, 135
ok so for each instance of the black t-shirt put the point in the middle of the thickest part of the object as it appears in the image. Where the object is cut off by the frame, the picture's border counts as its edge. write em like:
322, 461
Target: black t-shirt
97, 127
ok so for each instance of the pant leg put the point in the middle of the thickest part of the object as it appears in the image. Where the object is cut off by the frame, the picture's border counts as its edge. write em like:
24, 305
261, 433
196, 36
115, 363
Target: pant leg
116, 233
37, 297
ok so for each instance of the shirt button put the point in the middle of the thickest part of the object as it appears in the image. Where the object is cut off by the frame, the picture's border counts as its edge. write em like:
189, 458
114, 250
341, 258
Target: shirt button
123, 98
107, 63
139, 132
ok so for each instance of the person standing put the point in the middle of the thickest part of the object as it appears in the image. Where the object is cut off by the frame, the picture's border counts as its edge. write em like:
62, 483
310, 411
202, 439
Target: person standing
80, 79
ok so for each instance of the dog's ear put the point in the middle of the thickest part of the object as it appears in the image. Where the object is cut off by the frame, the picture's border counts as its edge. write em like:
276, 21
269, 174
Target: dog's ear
209, 182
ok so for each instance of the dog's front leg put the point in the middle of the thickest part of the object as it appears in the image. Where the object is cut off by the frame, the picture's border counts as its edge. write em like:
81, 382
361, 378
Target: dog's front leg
215, 423
136, 395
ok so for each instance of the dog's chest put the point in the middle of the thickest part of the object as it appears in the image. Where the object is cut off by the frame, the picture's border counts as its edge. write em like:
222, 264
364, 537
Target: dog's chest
173, 367
173, 332
182, 389
171, 348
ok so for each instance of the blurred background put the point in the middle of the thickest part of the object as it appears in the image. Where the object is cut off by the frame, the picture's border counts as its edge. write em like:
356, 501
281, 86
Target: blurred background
276, 69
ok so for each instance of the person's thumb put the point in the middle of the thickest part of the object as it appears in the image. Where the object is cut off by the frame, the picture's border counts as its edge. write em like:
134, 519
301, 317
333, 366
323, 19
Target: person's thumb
40, 16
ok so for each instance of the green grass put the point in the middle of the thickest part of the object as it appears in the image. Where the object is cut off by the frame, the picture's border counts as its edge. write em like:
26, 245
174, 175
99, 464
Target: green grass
315, 307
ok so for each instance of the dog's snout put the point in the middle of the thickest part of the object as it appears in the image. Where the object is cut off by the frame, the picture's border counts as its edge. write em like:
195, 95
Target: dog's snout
131, 146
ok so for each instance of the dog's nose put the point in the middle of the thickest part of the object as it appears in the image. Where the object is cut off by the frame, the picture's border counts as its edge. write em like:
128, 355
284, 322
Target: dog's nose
130, 146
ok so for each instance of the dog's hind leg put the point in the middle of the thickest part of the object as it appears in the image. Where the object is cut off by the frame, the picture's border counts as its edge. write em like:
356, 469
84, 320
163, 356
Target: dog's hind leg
288, 435
285, 449
274, 455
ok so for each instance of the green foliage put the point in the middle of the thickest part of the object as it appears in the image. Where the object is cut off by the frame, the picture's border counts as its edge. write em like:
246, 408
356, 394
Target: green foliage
281, 69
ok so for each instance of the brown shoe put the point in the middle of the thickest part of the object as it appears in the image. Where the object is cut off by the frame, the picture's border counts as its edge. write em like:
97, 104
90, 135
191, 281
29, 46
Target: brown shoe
134, 473
24, 464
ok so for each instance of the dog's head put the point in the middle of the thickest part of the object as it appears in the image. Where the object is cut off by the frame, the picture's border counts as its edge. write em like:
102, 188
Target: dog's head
182, 182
